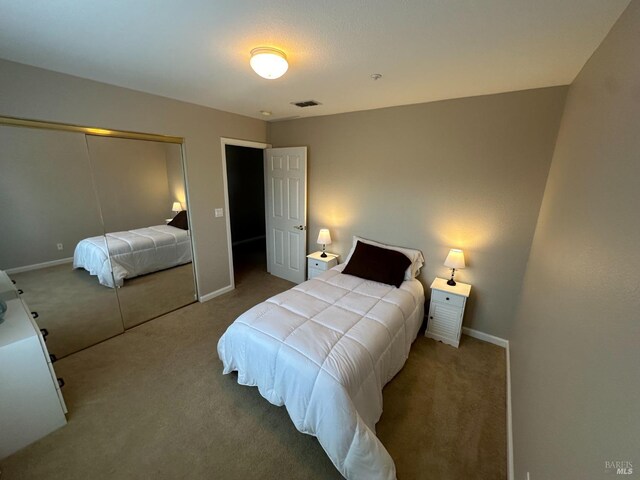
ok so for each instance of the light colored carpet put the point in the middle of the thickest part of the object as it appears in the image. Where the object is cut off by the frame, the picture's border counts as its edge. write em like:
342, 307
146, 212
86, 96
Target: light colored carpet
153, 403
79, 312
75, 309
149, 296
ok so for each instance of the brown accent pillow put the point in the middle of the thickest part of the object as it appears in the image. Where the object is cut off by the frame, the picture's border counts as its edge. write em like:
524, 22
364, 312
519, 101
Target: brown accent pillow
377, 264
180, 221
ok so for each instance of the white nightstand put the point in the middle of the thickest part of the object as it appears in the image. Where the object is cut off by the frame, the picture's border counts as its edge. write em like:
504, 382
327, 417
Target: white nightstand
317, 264
446, 311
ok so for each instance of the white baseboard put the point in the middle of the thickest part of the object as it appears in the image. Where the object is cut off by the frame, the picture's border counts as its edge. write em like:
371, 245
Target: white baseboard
510, 470
501, 342
217, 293
37, 266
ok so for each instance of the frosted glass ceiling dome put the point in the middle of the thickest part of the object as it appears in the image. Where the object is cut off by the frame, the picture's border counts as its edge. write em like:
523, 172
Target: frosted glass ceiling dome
269, 63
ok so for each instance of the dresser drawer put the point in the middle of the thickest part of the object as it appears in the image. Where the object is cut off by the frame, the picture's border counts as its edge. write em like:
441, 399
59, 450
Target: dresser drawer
447, 298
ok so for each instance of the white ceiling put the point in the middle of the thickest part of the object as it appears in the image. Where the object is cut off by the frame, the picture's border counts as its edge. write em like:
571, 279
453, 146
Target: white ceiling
198, 50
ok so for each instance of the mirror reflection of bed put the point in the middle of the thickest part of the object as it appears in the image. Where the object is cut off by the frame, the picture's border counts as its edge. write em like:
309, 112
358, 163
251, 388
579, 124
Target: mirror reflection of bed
62, 188
150, 255
150, 268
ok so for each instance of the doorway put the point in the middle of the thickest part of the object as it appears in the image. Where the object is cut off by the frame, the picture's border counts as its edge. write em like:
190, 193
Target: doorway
281, 198
244, 174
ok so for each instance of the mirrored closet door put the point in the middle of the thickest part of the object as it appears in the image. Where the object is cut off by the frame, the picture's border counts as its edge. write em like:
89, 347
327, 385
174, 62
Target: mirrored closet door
95, 229
141, 188
48, 206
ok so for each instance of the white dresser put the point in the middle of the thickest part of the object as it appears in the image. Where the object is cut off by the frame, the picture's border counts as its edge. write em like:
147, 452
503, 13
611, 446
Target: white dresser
7, 290
316, 264
31, 404
446, 311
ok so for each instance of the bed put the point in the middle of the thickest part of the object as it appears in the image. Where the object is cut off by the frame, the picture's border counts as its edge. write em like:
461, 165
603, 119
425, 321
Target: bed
134, 252
325, 349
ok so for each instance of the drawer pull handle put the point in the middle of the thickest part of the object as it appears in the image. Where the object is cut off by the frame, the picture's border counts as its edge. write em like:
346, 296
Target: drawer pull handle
317, 264
35, 314
430, 318
44, 333
13, 281
60, 382
20, 291
447, 298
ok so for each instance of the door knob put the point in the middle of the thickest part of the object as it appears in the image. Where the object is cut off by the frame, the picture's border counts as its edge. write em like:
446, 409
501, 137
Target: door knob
300, 227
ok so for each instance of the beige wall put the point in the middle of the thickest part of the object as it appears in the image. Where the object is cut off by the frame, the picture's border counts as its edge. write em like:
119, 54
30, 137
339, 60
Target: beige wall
46, 196
131, 182
467, 173
175, 175
34, 93
575, 344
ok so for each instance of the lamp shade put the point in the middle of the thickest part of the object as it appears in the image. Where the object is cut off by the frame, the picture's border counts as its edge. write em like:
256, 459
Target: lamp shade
269, 63
176, 207
455, 259
324, 237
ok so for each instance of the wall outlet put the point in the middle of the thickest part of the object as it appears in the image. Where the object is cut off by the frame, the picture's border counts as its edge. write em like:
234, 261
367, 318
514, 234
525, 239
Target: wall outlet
60, 247
218, 212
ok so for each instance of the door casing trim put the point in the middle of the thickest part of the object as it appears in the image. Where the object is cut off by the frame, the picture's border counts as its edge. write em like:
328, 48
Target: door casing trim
224, 141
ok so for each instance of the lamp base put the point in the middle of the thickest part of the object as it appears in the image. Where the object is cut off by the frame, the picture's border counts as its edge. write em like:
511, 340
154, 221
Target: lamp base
451, 281
324, 255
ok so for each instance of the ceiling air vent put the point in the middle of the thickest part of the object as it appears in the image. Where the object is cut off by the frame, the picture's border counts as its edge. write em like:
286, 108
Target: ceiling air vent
306, 103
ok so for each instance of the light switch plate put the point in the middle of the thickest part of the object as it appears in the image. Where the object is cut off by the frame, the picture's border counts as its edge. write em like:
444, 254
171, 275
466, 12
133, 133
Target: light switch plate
218, 212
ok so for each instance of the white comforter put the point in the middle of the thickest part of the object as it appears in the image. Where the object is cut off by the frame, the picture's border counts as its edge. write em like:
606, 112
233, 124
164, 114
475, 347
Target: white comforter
133, 253
325, 349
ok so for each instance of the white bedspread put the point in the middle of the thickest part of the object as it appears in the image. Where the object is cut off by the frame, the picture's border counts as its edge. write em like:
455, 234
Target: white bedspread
133, 253
325, 349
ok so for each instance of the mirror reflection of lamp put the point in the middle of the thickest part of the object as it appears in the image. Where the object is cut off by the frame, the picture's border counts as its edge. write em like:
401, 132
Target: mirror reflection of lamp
176, 207
454, 260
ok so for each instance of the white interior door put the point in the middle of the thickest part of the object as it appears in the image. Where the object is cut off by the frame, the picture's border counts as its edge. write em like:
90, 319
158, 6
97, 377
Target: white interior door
286, 211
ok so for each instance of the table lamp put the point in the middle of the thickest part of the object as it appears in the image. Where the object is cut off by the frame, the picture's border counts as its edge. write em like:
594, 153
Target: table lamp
454, 260
176, 207
324, 238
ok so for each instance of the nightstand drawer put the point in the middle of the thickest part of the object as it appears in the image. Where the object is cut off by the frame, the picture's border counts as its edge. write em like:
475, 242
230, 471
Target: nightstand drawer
318, 265
448, 298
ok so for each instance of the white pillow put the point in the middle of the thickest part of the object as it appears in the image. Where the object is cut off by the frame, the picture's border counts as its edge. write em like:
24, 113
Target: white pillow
416, 257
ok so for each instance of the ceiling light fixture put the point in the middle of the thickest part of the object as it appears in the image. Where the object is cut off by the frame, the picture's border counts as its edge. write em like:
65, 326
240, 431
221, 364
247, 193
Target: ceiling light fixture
269, 63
